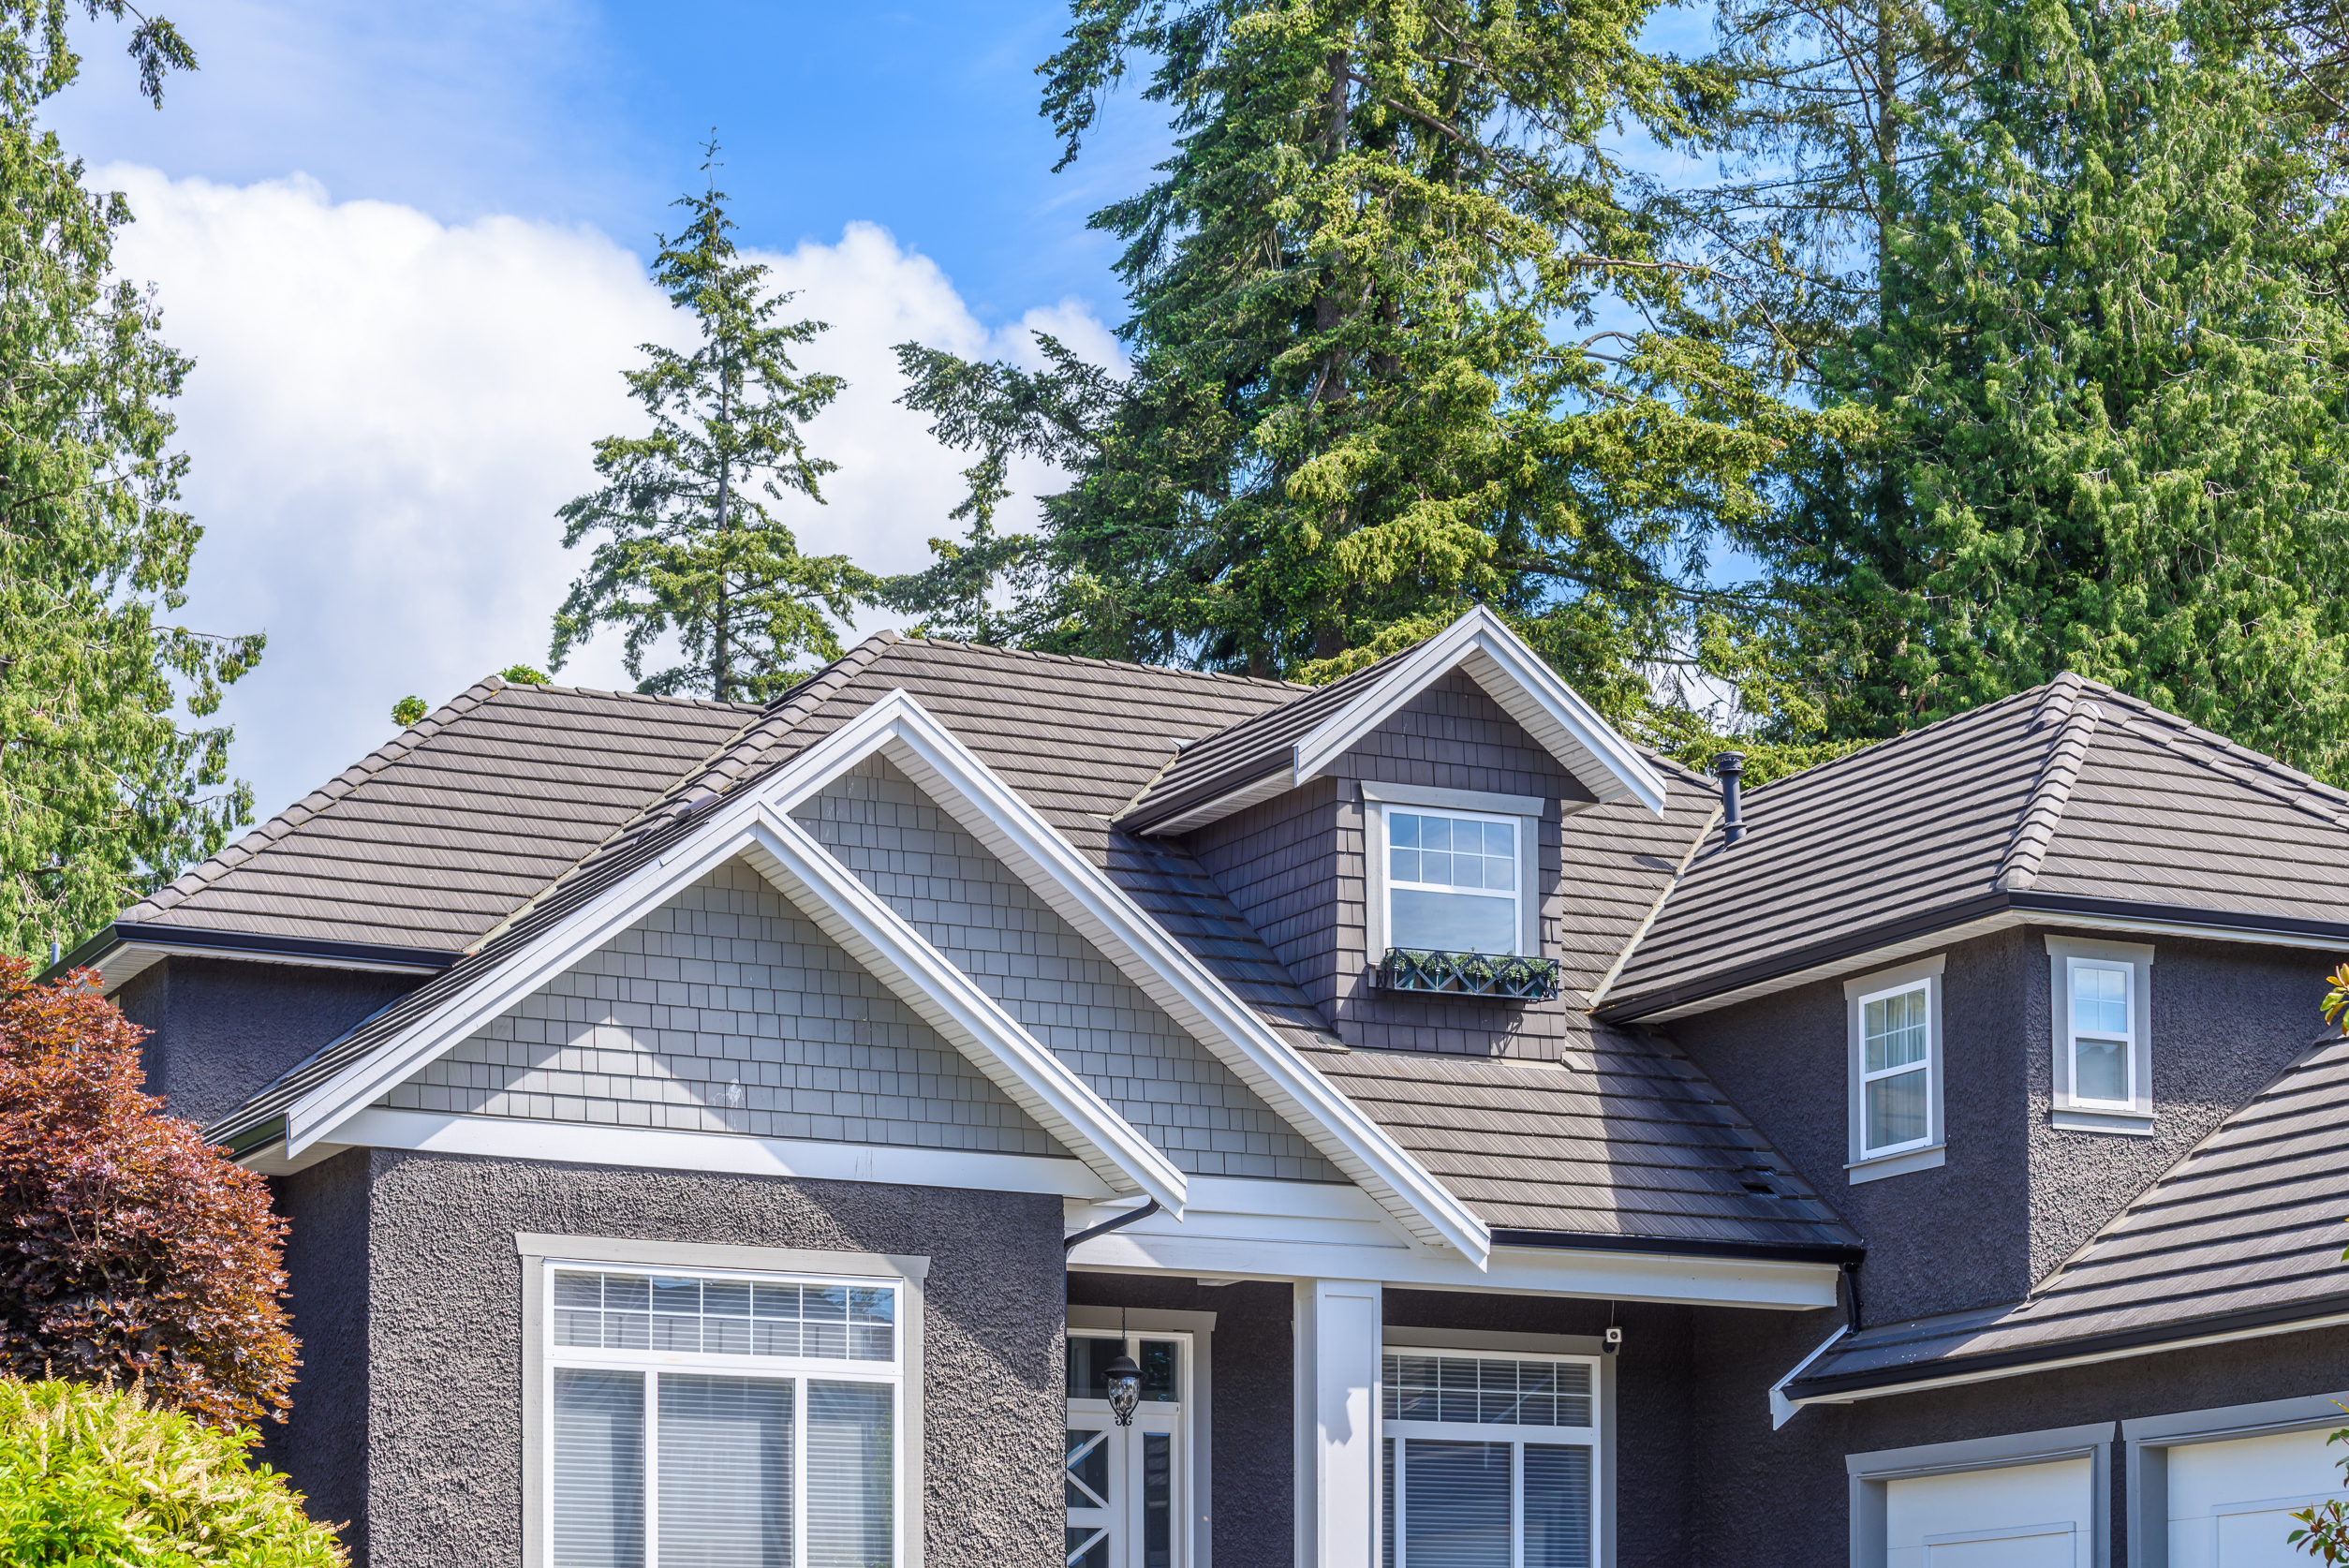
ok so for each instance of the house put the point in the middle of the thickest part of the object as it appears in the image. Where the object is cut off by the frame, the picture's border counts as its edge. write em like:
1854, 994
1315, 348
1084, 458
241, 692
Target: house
733, 1138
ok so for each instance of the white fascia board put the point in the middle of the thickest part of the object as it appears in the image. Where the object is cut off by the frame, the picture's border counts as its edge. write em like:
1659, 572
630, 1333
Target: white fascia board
726, 1153
1245, 1236
1173, 978
826, 891
1522, 683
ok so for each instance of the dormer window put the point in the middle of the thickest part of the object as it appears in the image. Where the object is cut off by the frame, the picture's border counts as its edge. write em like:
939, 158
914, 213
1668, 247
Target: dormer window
2103, 1075
1452, 883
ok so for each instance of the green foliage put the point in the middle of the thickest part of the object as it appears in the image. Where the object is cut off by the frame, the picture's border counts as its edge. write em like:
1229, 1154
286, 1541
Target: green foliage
2101, 397
98, 1478
2323, 1529
1369, 386
689, 547
407, 710
103, 793
522, 674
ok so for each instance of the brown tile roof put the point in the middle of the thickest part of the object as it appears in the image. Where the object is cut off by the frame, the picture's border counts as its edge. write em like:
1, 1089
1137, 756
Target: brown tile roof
2071, 796
2245, 1230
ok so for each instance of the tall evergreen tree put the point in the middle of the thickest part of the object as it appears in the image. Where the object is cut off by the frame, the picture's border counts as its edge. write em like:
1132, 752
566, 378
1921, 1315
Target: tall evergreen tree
690, 548
1399, 343
105, 791
2109, 395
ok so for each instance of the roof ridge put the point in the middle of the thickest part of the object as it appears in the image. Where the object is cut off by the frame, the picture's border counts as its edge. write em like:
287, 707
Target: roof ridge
2062, 706
1877, 747
2241, 765
1103, 663
324, 798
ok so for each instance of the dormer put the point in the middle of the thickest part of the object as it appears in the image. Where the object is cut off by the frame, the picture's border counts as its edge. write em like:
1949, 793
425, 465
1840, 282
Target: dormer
1396, 836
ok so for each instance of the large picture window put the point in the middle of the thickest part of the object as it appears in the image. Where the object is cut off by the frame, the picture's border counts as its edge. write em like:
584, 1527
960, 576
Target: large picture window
1491, 1460
1452, 881
722, 1420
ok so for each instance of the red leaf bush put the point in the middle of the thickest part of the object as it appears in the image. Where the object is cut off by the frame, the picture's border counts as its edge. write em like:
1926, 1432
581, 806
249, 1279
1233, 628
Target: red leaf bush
130, 1249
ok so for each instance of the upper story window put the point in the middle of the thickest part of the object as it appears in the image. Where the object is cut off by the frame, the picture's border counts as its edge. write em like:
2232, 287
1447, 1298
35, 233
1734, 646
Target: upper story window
2101, 1079
704, 1418
1896, 1069
1453, 882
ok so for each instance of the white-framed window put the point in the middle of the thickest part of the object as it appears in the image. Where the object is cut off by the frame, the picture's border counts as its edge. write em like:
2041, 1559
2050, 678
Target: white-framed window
1452, 871
1895, 1031
1490, 1458
2101, 1079
720, 1418
1129, 1488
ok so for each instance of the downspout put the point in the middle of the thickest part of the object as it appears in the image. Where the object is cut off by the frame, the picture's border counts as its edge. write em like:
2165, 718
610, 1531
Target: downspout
1851, 1297
1067, 1244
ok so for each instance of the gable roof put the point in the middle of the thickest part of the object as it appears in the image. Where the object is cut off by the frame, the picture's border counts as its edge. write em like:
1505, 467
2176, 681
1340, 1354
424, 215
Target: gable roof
435, 836
1286, 747
2242, 1237
2070, 804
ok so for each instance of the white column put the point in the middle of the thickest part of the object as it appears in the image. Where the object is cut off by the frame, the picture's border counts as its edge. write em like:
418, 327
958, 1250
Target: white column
1337, 1350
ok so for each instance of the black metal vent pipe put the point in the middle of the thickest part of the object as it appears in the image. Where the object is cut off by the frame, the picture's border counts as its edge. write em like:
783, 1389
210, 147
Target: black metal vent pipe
1728, 766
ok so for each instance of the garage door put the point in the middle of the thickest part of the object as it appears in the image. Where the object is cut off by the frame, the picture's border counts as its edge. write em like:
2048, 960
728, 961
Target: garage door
2231, 1502
2014, 1516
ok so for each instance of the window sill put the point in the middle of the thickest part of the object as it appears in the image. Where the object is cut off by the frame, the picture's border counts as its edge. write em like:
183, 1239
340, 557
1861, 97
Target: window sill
2129, 1124
1877, 1167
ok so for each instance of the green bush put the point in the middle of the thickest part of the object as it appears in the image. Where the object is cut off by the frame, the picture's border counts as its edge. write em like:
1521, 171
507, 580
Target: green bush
98, 1478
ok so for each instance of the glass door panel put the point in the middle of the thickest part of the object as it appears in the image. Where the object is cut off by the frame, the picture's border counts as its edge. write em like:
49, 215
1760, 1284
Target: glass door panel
1126, 1485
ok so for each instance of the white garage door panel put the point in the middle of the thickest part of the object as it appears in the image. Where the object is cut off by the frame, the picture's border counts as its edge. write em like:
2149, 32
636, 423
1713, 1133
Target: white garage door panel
2016, 1517
2230, 1503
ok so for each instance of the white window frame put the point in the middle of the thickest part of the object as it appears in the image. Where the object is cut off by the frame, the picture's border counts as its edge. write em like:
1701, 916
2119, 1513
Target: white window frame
1524, 812
1920, 1154
541, 1256
2133, 1117
1599, 1437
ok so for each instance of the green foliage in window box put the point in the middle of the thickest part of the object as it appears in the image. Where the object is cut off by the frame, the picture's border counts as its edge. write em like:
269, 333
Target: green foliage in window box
98, 1477
1468, 974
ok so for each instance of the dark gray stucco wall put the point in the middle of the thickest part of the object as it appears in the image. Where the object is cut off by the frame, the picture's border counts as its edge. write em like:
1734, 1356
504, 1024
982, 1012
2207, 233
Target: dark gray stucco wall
323, 1441
444, 1341
1940, 1240
221, 1029
1655, 1453
1780, 1499
1252, 1446
2016, 1195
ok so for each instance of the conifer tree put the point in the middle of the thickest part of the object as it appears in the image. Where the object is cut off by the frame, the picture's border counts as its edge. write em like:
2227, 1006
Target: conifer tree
1399, 345
690, 546
2109, 396
105, 791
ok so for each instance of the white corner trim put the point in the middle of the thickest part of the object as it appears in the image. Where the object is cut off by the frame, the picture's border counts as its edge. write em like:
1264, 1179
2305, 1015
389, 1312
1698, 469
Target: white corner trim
1527, 688
1172, 976
1783, 1409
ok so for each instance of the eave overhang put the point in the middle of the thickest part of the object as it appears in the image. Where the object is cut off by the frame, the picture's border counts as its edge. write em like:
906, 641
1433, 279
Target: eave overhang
126, 948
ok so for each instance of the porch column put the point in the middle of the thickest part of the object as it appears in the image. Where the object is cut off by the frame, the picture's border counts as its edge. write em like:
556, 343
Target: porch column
1337, 1350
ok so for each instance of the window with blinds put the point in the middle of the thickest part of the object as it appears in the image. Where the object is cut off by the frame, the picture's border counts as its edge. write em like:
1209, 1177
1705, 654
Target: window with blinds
1490, 1460
722, 1421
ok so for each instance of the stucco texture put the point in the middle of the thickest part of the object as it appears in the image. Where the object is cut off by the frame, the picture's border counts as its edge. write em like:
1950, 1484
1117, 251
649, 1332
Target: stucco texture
443, 1344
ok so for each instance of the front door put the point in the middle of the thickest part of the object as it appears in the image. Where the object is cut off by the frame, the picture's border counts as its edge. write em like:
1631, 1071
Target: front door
1128, 1487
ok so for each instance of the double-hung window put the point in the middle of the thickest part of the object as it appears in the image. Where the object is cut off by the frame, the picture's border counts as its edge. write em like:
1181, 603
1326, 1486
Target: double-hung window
1453, 881
1490, 1460
716, 1419
2102, 1075
1896, 1069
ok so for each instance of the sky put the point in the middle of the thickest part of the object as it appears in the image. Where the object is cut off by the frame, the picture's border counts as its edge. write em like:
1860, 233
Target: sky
407, 247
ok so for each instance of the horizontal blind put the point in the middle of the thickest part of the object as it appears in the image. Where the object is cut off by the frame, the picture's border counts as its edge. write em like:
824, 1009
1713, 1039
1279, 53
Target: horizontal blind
1455, 1504
599, 1468
851, 1475
1556, 1506
725, 1471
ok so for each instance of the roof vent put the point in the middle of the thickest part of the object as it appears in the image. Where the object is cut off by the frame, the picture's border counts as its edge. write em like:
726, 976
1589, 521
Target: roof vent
1728, 767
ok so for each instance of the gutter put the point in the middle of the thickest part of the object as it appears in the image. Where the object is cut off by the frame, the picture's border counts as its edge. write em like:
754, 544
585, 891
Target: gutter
196, 942
2250, 1323
2109, 913
1654, 1246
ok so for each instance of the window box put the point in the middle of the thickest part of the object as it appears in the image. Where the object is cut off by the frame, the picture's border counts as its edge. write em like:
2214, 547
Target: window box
1468, 974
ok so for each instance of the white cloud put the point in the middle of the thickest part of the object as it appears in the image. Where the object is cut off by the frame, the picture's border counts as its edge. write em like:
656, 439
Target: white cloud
387, 410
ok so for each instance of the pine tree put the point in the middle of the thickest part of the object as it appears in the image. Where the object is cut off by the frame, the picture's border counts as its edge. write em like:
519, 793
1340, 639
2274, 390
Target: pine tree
104, 791
2110, 397
1399, 345
690, 547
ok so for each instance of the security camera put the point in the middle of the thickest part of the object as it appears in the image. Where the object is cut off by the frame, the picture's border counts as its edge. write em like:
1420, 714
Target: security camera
1613, 1342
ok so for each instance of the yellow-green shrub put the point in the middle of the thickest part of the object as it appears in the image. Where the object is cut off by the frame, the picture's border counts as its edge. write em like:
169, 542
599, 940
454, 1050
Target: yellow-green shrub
99, 1478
